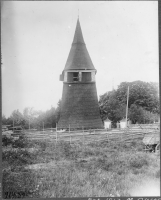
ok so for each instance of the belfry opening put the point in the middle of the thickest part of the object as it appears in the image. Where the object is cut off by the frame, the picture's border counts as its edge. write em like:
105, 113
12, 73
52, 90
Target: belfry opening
79, 103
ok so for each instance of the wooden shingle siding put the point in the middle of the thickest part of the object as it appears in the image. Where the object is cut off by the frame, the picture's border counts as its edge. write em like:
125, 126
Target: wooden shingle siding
79, 107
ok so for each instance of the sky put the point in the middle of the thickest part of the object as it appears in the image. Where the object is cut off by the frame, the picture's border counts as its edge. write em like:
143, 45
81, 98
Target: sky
36, 37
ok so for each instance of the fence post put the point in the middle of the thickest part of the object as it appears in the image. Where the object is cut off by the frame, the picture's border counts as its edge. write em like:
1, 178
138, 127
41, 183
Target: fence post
83, 137
56, 127
69, 133
70, 139
56, 137
121, 137
56, 133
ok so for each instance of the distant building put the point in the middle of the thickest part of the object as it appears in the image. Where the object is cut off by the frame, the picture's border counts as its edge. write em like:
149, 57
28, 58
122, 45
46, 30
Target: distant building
123, 123
118, 124
79, 105
107, 123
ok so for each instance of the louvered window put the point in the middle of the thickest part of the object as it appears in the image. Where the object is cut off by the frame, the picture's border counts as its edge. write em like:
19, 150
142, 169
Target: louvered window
86, 76
75, 76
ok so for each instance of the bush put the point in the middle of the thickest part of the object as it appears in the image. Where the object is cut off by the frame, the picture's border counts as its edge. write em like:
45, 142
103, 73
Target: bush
17, 157
157, 174
42, 144
102, 163
121, 171
65, 150
7, 140
138, 162
88, 152
22, 142
135, 171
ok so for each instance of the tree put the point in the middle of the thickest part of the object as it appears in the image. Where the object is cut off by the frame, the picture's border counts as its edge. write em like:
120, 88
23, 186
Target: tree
136, 114
58, 109
17, 118
34, 119
50, 118
140, 93
29, 115
143, 102
111, 107
4, 120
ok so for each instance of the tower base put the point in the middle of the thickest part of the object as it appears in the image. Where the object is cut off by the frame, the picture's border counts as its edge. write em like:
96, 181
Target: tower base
79, 107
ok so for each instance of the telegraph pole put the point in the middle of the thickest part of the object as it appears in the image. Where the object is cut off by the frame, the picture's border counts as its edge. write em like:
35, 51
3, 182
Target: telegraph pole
13, 123
29, 123
127, 105
43, 126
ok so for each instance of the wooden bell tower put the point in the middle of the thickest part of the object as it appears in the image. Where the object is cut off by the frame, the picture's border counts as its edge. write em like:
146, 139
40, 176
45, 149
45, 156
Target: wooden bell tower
79, 105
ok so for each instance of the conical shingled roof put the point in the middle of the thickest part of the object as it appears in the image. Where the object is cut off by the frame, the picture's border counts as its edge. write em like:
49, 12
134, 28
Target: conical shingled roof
78, 56
78, 36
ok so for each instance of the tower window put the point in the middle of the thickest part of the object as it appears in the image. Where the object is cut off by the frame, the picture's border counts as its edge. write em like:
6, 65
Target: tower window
86, 76
75, 76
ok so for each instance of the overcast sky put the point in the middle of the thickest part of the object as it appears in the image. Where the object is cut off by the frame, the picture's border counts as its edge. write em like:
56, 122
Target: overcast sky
121, 38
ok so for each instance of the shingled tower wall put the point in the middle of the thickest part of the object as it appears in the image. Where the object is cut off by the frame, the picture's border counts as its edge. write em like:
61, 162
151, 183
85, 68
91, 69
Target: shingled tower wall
79, 105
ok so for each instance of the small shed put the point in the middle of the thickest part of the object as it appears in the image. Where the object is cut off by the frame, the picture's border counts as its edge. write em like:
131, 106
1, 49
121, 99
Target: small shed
123, 123
151, 138
118, 124
107, 123
151, 141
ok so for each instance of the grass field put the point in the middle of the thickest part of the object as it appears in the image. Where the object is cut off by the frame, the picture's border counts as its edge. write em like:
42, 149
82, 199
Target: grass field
98, 169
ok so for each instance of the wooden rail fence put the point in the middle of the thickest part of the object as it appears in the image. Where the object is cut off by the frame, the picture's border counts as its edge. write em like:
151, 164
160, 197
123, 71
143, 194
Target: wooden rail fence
114, 135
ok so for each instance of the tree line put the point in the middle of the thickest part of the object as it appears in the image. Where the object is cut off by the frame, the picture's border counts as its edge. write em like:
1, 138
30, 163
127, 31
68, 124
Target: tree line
143, 104
33, 119
143, 107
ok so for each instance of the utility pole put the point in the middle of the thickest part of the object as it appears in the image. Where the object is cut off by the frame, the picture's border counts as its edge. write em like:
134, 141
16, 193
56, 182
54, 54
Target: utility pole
13, 123
29, 123
127, 105
113, 84
43, 126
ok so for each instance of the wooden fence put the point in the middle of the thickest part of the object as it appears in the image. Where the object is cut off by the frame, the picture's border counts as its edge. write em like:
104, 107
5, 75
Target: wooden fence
133, 132
85, 136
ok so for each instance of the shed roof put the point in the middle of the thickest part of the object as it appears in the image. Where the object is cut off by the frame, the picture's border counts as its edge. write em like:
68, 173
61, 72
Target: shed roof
79, 57
123, 120
150, 139
107, 120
